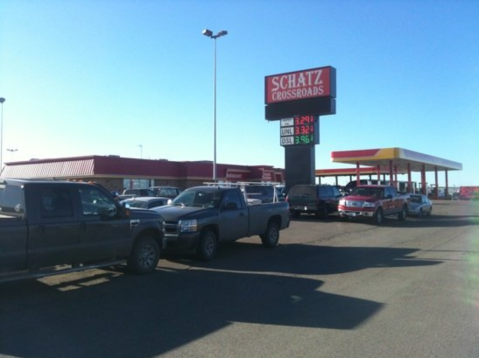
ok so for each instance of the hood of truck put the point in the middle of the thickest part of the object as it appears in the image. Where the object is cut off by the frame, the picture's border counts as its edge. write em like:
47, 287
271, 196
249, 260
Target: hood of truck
370, 199
136, 213
177, 212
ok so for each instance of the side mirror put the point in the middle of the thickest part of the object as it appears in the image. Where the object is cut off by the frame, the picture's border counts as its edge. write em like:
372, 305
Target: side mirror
107, 213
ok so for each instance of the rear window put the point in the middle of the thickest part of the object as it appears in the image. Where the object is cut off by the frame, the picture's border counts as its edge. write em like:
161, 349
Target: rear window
302, 190
169, 192
325, 191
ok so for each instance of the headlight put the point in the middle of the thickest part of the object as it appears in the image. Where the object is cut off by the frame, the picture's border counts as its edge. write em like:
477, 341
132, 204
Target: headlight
342, 202
369, 205
188, 225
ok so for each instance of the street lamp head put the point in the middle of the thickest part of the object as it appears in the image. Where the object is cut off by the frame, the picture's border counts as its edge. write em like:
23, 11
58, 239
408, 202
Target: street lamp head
207, 32
2, 99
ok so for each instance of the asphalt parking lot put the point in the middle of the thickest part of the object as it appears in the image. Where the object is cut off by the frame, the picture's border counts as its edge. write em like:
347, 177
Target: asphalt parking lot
331, 288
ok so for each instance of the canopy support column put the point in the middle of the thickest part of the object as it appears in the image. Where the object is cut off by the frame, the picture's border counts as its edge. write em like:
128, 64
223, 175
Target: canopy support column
446, 191
391, 173
409, 184
357, 174
423, 180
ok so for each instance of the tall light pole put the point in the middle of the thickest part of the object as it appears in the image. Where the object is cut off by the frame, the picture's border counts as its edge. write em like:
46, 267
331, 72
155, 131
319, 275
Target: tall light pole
11, 150
1, 134
209, 34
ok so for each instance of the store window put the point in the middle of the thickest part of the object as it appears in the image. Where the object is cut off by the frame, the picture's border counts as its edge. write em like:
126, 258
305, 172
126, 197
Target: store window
137, 183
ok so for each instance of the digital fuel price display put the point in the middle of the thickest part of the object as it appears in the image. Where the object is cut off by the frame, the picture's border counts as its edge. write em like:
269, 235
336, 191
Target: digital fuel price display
300, 130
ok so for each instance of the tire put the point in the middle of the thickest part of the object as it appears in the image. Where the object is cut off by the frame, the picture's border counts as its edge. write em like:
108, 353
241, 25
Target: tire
402, 214
207, 246
325, 213
378, 216
144, 255
296, 214
271, 237
322, 212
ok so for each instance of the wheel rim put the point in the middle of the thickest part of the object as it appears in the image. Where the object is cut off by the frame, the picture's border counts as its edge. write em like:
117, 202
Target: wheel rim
379, 217
209, 246
147, 256
273, 235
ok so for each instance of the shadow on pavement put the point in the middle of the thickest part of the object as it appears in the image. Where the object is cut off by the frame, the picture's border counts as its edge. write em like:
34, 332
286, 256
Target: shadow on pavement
145, 316
302, 259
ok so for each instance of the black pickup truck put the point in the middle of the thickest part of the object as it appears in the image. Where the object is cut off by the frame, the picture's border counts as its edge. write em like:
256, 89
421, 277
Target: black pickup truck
201, 217
50, 227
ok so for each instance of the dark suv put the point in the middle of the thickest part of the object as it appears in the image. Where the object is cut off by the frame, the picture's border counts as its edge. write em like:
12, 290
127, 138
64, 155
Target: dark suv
320, 200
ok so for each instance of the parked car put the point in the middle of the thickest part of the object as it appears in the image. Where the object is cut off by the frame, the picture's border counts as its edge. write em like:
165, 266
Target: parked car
166, 191
139, 192
146, 202
52, 227
320, 200
202, 217
419, 205
374, 202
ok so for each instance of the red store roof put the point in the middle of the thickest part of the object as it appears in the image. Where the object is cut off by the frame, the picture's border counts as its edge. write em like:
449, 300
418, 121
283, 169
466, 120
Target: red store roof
115, 166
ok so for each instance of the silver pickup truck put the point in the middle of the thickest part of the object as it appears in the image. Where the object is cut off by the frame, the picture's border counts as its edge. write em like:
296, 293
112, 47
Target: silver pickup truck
201, 217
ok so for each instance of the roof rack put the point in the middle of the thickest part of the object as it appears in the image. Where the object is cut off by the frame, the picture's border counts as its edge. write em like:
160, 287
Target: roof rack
242, 184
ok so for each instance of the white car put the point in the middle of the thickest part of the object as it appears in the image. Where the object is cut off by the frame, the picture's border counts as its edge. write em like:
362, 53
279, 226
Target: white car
419, 205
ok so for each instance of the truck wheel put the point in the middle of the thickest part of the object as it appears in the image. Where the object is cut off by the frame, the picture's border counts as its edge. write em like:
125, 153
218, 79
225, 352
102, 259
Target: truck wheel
379, 216
144, 255
207, 246
296, 214
325, 213
402, 214
271, 237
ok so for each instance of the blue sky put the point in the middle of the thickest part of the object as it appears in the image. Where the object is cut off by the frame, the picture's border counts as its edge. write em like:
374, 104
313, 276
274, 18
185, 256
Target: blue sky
100, 77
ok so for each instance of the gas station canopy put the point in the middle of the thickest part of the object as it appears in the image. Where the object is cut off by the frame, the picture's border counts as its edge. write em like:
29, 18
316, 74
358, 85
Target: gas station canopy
402, 159
392, 161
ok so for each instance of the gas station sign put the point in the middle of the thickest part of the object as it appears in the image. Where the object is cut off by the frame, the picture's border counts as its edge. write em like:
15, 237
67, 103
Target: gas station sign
299, 85
299, 130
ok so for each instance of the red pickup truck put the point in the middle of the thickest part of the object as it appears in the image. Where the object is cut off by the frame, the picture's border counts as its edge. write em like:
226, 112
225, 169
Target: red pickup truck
375, 202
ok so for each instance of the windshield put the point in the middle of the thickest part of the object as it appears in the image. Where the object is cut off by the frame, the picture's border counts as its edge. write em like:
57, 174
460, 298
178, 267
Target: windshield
199, 198
415, 199
361, 191
137, 204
